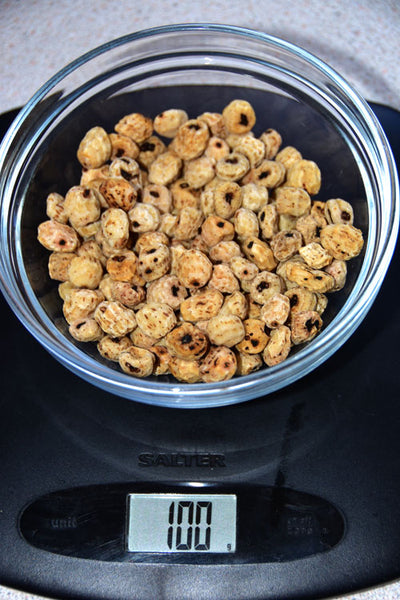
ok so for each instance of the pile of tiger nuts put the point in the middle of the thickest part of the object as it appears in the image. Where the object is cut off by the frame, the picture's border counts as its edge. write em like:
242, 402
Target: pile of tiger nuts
193, 247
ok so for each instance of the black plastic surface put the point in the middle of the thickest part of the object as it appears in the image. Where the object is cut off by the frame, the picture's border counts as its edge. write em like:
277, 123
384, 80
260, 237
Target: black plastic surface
334, 434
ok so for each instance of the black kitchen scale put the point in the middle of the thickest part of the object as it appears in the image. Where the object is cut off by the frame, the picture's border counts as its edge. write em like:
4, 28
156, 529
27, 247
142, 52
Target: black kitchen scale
295, 495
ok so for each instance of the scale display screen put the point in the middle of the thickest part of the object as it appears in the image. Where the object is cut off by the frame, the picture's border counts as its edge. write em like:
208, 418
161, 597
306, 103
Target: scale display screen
181, 523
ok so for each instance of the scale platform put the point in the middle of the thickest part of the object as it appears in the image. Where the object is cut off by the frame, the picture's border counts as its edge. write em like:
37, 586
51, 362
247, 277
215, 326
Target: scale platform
310, 477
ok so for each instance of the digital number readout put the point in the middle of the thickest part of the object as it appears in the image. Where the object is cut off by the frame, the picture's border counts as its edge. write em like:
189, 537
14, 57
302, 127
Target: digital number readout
181, 523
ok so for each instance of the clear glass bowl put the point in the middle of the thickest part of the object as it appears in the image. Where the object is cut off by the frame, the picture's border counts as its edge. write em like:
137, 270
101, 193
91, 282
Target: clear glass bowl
199, 67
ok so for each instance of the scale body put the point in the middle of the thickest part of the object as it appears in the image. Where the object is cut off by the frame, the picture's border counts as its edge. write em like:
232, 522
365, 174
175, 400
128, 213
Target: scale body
309, 476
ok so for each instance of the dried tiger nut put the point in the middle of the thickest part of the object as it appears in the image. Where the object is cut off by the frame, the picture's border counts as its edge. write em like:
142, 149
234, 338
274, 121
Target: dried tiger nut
322, 303
183, 195
194, 269
278, 347
215, 123
304, 326
207, 202
246, 223
247, 363
268, 221
215, 230
204, 305
114, 318
81, 303
92, 248
162, 359
342, 241
141, 339
176, 250
253, 308
115, 227
187, 341
315, 255
154, 263
255, 338
239, 117
225, 330
64, 289
223, 252
123, 146
314, 280
58, 265
288, 156
127, 294
308, 228
118, 193
89, 231
260, 253
55, 208
94, 149
235, 304
191, 139
94, 176
272, 140
253, 149
165, 168
292, 201
187, 371
197, 243
287, 222
149, 150
188, 223
199, 171
144, 218
110, 348
286, 244
137, 361
254, 197
269, 174
275, 311
265, 285
227, 199
82, 206
338, 270
85, 272
217, 148
136, 126
218, 365
158, 196
167, 290
243, 269
304, 174
318, 213
223, 279
301, 299
58, 237
168, 122
232, 167
86, 330
338, 211
156, 319
150, 240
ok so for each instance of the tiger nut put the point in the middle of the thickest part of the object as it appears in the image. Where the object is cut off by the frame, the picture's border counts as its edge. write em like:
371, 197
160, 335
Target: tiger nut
304, 326
278, 346
342, 241
239, 116
156, 320
204, 305
255, 338
187, 341
94, 149
137, 361
136, 126
225, 330
218, 365
194, 269
115, 319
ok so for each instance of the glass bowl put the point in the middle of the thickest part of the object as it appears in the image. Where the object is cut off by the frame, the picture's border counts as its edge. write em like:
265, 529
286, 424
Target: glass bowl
197, 67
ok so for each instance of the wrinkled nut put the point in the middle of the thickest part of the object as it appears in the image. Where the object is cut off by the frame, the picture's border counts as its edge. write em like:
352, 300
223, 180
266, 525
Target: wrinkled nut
215, 123
248, 363
272, 141
93, 177
304, 174
55, 208
85, 272
154, 262
118, 193
225, 330
94, 149
156, 320
315, 255
322, 303
227, 199
137, 361
135, 126
110, 348
183, 196
246, 223
286, 244
342, 241
92, 248
158, 196
86, 330
191, 139
338, 211
264, 286
123, 267
167, 290
115, 319
168, 122
223, 279
165, 169
243, 269
338, 270
144, 218
207, 202
82, 206
202, 306
217, 148
318, 213
59, 263
293, 201
304, 326
57, 237
314, 280
269, 174
223, 252
141, 339
150, 240
199, 171
232, 167
287, 222
149, 150
219, 365
239, 116
278, 347
162, 359
64, 289
123, 146
255, 338
254, 197
309, 228
301, 299
187, 341
187, 224
260, 253
253, 149
127, 294
81, 303
275, 311
282, 267
268, 221
215, 230
194, 269
187, 371
235, 304
115, 227
127, 169
288, 156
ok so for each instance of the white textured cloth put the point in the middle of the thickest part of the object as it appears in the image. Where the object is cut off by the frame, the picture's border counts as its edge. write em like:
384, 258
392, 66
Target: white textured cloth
358, 38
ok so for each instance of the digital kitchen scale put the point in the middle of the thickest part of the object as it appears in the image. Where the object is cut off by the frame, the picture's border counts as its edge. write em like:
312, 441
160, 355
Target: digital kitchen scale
295, 495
